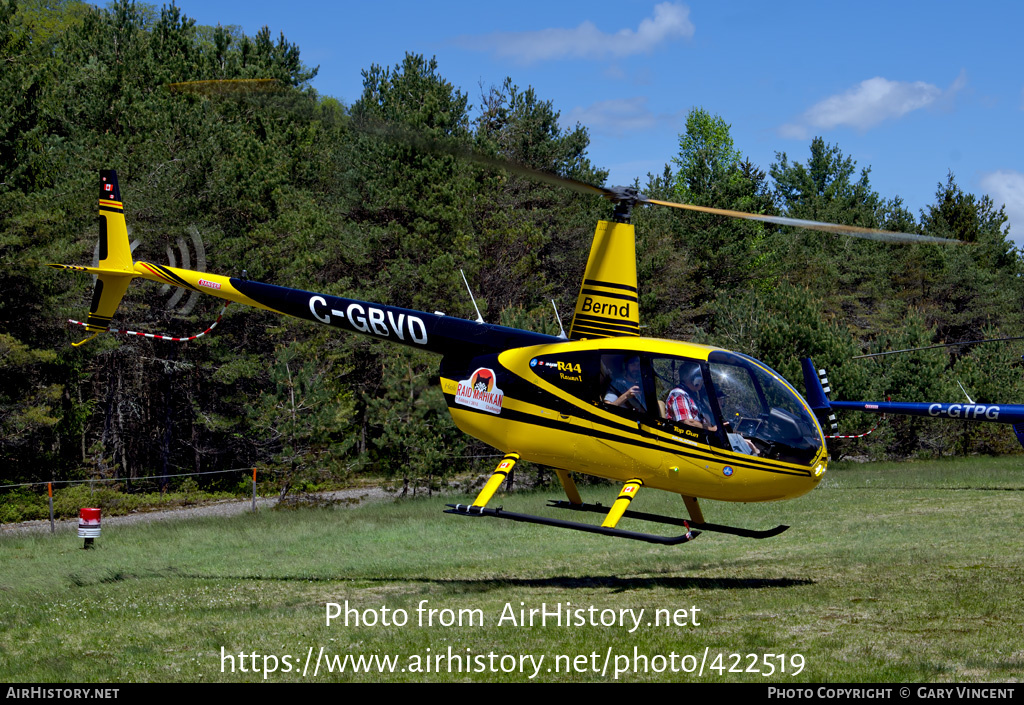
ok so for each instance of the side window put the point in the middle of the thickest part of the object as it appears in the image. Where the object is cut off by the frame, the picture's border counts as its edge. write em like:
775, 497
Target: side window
624, 384
666, 378
684, 401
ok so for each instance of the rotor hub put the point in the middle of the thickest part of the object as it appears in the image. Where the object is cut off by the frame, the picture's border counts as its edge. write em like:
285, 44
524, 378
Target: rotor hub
624, 198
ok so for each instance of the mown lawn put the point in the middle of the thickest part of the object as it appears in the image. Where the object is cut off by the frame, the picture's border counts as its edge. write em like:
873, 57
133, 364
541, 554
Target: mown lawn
890, 573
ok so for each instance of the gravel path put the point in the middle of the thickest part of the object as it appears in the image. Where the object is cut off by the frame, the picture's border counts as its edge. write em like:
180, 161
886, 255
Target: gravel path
227, 507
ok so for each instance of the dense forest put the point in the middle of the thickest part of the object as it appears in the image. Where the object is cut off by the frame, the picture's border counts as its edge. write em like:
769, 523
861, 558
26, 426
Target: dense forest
300, 190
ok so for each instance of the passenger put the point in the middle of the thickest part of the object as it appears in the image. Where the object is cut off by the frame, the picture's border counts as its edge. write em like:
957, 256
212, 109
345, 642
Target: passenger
627, 391
689, 405
687, 402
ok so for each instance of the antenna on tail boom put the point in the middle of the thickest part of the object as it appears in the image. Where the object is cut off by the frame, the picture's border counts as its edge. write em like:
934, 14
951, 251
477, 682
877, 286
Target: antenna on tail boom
479, 318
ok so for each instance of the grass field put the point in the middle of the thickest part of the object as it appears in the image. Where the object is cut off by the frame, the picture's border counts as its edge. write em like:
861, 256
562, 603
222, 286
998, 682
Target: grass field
903, 572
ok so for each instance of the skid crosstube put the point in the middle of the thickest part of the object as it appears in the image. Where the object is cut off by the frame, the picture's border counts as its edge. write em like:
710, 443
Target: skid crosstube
475, 511
675, 521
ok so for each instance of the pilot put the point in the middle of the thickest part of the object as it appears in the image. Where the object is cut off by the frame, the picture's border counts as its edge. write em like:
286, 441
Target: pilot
627, 391
687, 403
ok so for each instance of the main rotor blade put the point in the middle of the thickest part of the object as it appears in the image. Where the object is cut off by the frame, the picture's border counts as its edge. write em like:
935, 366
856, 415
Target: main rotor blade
629, 195
855, 230
538, 175
619, 194
419, 140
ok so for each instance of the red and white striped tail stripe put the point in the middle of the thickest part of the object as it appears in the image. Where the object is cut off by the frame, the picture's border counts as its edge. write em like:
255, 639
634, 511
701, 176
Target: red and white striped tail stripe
162, 337
860, 435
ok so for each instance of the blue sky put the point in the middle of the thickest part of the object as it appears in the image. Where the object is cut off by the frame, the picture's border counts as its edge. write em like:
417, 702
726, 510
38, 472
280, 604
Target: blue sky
913, 90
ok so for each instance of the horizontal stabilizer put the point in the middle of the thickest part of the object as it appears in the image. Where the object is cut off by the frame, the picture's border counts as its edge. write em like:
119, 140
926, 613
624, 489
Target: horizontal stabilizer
98, 271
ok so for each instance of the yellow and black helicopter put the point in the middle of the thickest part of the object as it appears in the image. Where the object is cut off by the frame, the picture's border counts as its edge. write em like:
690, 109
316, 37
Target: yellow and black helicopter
694, 420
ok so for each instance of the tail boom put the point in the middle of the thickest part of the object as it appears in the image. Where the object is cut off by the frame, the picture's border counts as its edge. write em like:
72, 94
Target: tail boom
435, 332
205, 283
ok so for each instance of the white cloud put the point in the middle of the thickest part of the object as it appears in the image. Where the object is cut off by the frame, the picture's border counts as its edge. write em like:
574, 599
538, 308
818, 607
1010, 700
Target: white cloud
1007, 188
960, 82
870, 103
670, 21
793, 131
617, 116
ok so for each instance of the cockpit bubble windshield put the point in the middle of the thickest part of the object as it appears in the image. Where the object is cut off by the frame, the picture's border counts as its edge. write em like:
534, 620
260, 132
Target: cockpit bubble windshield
759, 406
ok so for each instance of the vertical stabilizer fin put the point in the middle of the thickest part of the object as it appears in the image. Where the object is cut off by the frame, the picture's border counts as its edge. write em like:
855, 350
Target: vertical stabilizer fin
115, 269
608, 305
817, 387
115, 250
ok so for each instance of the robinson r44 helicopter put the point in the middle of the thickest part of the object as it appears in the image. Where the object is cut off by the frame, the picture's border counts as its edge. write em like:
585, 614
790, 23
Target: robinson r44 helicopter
697, 421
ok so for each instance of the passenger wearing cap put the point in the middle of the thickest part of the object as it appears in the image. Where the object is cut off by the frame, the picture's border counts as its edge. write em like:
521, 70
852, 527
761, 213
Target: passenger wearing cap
686, 404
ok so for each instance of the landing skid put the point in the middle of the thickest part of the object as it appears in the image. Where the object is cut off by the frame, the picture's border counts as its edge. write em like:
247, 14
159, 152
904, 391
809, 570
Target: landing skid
475, 511
675, 521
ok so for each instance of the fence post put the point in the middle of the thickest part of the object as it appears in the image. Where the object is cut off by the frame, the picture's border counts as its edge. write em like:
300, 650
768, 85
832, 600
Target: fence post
254, 489
49, 489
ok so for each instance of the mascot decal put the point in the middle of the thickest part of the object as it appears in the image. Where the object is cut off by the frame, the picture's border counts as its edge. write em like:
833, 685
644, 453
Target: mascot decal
480, 391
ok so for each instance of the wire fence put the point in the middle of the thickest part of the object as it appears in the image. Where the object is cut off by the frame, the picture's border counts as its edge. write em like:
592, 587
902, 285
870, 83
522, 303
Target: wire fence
127, 479
50, 485
162, 478
145, 478
90, 481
